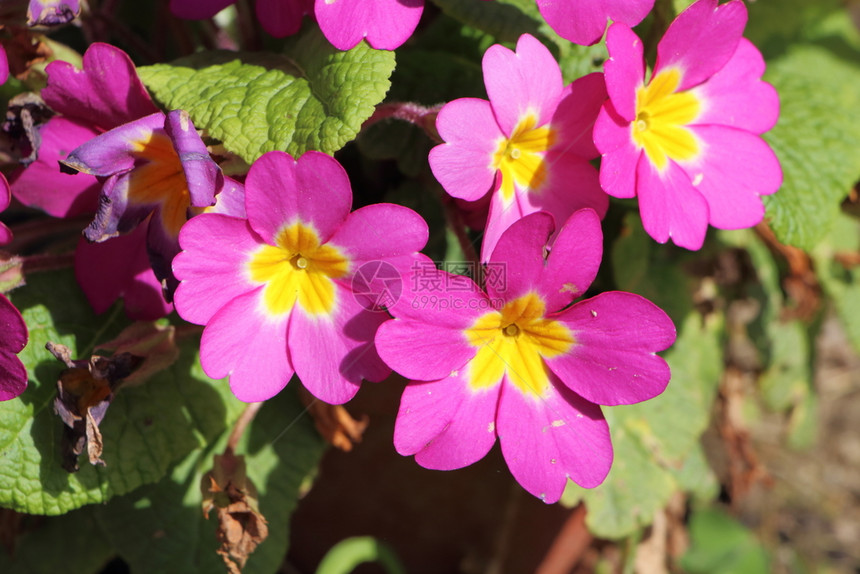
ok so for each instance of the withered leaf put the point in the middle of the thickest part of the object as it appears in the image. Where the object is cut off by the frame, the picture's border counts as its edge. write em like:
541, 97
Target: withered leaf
334, 422
241, 527
155, 344
85, 389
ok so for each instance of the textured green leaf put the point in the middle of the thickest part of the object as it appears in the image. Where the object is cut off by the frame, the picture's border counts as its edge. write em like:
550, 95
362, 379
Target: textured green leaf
161, 528
147, 427
68, 543
653, 439
312, 96
816, 141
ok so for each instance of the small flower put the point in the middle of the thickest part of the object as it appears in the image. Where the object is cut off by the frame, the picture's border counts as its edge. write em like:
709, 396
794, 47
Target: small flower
156, 169
529, 144
521, 363
275, 290
687, 142
583, 21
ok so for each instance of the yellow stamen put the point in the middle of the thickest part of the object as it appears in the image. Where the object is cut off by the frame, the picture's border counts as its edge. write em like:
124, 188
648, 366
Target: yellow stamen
521, 158
515, 340
298, 269
662, 117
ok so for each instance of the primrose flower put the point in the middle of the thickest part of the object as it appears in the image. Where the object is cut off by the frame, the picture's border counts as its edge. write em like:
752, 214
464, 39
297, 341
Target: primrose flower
520, 363
157, 166
529, 144
583, 21
687, 142
52, 12
275, 290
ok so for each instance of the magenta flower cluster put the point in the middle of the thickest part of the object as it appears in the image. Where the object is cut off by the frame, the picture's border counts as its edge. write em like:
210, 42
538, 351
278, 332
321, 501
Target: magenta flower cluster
277, 267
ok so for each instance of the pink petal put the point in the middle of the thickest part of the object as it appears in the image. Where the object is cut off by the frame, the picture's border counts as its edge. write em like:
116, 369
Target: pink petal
4, 66
43, 186
212, 267
620, 155
463, 164
522, 82
242, 341
736, 169
197, 9
280, 191
230, 200
548, 440
105, 94
333, 354
282, 18
670, 206
701, 40
444, 424
119, 267
423, 351
380, 231
439, 298
583, 21
612, 361
13, 375
577, 111
385, 23
624, 71
736, 96
12, 327
5, 199
573, 261
520, 252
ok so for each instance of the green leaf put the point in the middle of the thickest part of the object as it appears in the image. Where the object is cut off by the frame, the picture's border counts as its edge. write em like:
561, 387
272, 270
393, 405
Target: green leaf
68, 543
653, 439
721, 545
813, 60
161, 528
312, 96
147, 427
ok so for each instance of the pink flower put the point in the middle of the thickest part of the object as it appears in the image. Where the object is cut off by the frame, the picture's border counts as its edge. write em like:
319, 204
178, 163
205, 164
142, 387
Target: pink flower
520, 363
13, 331
275, 290
583, 21
687, 142
385, 23
530, 143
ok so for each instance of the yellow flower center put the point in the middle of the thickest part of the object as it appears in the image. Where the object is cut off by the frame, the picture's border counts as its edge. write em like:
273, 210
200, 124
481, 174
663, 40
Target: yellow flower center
521, 158
515, 340
160, 180
298, 269
662, 116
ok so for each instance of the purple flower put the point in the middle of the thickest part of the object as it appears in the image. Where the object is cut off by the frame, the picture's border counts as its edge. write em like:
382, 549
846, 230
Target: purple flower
687, 142
521, 362
156, 169
13, 331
